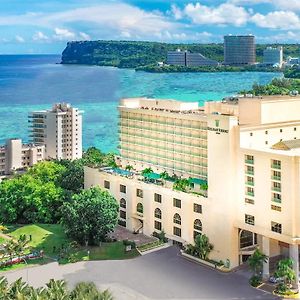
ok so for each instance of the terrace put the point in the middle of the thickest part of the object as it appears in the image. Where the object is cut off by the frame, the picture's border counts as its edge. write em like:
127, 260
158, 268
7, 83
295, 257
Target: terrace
191, 185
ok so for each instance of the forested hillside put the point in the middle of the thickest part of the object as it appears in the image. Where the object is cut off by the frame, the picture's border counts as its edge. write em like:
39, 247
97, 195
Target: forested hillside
133, 54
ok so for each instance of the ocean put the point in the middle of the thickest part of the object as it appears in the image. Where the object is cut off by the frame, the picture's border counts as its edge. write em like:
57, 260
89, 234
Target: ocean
31, 82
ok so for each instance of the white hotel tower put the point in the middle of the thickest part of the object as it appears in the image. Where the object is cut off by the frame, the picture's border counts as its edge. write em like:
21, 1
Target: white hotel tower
59, 129
246, 149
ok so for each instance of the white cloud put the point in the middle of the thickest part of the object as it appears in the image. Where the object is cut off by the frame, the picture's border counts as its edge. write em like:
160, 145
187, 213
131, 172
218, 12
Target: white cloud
40, 36
291, 5
277, 20
84, 36
63, 34
223, 14
20, 39
176, 12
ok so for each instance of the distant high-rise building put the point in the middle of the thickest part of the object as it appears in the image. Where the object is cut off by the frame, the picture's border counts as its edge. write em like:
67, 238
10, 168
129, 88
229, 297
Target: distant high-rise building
239, 50
188, 59
273, 56
16, 156
59, 129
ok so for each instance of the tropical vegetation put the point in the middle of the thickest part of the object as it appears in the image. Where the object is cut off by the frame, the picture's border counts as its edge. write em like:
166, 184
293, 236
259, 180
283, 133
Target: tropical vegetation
54, 290
255, 262
201, 248
90, 216
286, 274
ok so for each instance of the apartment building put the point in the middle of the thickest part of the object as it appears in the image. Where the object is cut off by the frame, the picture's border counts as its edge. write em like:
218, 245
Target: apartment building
273, 56
247, 151
16, 156
176, 58
239, 50
59, 129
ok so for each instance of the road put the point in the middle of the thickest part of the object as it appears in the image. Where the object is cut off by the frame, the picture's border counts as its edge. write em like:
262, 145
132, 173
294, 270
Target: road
162, 274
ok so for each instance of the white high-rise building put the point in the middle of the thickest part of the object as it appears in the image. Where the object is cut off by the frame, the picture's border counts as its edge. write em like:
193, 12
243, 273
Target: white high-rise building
59, 129
273, 56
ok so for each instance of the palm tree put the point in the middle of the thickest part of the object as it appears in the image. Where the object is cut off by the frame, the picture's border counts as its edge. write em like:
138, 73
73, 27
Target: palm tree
285, 271
19, 290
56, 289
147, 171
128, 167
88, 290
202, 246
256, 261
4, 288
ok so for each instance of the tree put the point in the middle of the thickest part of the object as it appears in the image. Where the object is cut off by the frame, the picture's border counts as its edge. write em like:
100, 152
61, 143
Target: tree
285, 271
72, 179
147, 171
90, 216
89, 290
256, 261
128, 167
181, 185
202, 246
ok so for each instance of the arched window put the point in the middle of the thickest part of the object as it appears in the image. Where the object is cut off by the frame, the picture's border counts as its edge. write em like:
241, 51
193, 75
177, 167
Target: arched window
198, 225
177, 219
140, 208
123, 203
157, 213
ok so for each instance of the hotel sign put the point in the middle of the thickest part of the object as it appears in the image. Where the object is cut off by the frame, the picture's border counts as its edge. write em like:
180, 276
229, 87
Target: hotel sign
217, 129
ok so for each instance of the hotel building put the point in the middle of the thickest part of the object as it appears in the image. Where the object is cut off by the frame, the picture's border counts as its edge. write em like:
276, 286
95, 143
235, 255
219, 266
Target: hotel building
59, 129
273, 56
247, 150
15, 156
239, 50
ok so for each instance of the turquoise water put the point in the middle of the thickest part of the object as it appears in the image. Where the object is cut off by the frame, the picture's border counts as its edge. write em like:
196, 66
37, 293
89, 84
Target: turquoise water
35, 82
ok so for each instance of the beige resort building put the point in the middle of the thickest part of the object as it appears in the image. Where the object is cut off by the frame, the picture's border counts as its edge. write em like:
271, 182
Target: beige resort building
246, 149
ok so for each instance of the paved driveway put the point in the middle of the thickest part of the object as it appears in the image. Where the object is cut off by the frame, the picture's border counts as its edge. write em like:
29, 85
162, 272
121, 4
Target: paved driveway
158, 275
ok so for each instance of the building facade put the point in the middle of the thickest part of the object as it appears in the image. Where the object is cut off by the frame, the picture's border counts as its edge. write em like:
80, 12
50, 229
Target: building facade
59, 129
246, 150
273, 56
239, 50
16, 156
188, 59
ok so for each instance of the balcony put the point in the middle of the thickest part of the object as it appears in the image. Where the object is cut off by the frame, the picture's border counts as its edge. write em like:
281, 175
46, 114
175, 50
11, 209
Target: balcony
276, 200
249, 172
249, 161
251, 183
276, 189
275, 166
278, 178
250, 194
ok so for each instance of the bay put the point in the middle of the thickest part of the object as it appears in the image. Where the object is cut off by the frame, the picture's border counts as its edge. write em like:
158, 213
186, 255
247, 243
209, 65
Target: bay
31, 82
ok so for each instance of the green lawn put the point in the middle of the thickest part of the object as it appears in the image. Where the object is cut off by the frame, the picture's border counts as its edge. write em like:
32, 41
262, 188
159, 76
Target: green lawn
2, 240
44, 237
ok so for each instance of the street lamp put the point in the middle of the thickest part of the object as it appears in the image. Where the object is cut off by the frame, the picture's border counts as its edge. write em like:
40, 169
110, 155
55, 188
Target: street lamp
22, 258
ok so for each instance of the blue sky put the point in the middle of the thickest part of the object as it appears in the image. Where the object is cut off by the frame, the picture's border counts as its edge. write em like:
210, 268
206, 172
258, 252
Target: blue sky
45, 26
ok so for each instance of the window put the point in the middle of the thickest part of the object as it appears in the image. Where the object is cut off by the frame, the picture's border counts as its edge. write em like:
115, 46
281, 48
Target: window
251, 133
249, 219
157, 213
249, 180
122, 214
157, 225
139, 193
106, 184
266, 142
123, 203
275, 207
250, 191
197, 208
249, 159
250, 170
123, 188
140, 208
177, 231
276, 164
176, 203
249, 201
276, 175
276, 186
157, 198
295, 128
266, 132
198, 225
276, 227
280, 130
177, 219
276, 198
